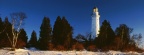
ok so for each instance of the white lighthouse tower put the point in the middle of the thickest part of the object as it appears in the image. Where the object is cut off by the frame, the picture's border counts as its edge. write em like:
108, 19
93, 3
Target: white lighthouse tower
95, 23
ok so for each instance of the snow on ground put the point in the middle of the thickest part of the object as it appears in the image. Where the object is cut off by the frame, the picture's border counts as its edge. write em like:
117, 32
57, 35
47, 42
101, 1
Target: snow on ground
37, 52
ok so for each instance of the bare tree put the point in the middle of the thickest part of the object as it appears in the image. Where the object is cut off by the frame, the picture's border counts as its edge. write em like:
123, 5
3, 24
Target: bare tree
17, 19
138, 39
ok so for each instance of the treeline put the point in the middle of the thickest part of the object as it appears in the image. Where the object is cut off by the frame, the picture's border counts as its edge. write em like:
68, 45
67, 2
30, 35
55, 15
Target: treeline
120, 39
107, 39
60, 37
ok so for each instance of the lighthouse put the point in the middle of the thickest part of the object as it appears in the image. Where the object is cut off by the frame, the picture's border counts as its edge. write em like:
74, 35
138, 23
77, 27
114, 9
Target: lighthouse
95, 23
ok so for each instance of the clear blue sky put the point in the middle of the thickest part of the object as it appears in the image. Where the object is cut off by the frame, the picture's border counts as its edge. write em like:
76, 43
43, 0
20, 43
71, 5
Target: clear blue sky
77, 12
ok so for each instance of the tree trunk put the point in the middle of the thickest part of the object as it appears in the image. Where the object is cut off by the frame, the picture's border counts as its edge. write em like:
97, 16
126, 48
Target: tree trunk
13, 48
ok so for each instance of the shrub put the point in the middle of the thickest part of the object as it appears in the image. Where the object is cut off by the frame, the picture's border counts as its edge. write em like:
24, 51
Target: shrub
78, 47
50, 46
91, 48
60, 48
20, 44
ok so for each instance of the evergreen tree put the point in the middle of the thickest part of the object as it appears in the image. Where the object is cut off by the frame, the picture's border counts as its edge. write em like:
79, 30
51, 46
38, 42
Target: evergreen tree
123, 31
33, 39
5, 40
57, 30
22, 39
1, 25
106, 36
62, 32
67, 33
1, 30
45, 34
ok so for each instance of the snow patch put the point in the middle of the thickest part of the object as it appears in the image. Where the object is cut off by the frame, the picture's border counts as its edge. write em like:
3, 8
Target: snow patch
21, 50
35, 52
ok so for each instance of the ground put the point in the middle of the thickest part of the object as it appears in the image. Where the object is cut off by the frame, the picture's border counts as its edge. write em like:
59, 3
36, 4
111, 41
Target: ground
37, 52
